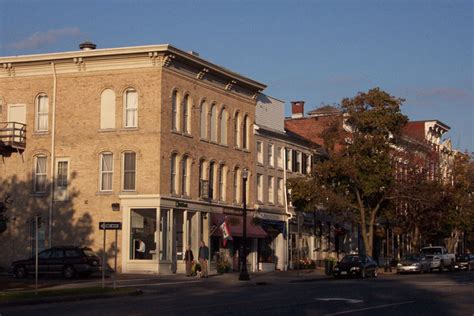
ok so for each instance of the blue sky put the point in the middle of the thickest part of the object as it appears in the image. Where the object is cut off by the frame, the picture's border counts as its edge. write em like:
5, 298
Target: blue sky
316, 51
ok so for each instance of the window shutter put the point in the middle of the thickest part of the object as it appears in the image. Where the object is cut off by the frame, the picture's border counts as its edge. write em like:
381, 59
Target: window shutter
293, 168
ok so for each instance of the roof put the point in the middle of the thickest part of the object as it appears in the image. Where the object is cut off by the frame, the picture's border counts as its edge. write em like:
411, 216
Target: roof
325, 110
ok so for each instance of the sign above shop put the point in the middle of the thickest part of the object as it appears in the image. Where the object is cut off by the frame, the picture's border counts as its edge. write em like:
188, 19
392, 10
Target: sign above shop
110, 226
181, 204
232, 211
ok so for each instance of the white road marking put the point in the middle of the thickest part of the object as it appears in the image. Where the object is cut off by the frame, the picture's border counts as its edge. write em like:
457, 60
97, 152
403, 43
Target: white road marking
369, 308
348, 300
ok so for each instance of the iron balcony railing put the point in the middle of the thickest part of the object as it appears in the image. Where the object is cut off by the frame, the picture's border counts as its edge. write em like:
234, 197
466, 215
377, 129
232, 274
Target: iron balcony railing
13, 134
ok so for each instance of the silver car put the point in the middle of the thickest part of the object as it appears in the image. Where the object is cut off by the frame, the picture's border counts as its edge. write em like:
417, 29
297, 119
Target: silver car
413, 263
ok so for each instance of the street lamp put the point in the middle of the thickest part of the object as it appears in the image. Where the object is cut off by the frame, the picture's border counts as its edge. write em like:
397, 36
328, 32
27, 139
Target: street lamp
244, 275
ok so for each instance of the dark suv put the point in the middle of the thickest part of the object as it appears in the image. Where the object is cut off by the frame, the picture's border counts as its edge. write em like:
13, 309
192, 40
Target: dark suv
68, 261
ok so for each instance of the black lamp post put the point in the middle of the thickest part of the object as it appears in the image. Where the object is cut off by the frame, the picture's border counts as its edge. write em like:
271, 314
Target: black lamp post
244, 275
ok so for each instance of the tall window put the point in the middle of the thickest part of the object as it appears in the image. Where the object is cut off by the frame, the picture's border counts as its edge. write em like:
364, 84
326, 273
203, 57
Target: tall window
131, 108
288, 159
222, 182
280, 191
174, 111
237, 186
270, 155
271, 192
237, 132
204, 120
245, 133
40, 174
298, 162
260, 152
223, 127
279, 157
212, 179
62, 174
259, 188
214, 123
42, 109
184, 176
129, 171
201, 176
173, 163
106, 171
186, 118
107, 109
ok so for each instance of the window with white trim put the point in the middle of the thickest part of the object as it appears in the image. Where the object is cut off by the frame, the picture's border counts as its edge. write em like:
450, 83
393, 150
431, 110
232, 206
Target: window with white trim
259, 188
223, 127
271, 191
203, 120
174, 110
237, 131
279, 157
298, 162
280, 191
173, 165
271, 161
42, 110
41, 176
62, 179
129, 171
222, 183
245, 133
214, 123
186, 114
260, 152
106, 171
131, 108
237, 185
185, 175
289, 160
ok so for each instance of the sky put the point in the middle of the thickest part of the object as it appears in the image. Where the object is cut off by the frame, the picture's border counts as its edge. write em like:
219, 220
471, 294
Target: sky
316, 51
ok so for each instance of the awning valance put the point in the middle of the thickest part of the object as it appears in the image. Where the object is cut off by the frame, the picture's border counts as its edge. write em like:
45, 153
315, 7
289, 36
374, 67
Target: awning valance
234, 223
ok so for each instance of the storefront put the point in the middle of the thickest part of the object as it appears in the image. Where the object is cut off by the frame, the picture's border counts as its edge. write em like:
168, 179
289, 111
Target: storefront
272, 251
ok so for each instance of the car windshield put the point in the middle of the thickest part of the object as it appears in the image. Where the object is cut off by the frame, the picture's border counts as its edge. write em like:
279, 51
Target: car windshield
431, 251
348, 259
89, 253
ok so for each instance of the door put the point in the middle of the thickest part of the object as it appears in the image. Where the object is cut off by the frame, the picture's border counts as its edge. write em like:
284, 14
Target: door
16, 114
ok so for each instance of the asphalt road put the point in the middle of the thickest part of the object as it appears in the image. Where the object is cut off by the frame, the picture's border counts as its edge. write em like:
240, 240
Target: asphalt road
429, 294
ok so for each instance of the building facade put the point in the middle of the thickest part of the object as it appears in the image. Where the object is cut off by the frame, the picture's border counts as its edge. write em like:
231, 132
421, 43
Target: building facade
150, 136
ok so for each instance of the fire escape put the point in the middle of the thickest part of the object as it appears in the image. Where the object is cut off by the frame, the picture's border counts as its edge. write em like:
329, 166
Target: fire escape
12, 138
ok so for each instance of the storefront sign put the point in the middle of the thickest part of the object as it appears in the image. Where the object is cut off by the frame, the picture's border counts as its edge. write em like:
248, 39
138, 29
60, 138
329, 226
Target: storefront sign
233, 212
110, 226
181, 204
273, 217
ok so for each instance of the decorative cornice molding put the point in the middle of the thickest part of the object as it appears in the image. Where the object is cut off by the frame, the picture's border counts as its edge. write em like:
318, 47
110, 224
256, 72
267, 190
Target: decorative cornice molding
228, 86
79, 61
167, 60
201, 74
154, 57
10, 69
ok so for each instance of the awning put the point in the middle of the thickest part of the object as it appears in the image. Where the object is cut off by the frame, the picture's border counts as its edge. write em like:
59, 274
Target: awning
234, 223
271, 225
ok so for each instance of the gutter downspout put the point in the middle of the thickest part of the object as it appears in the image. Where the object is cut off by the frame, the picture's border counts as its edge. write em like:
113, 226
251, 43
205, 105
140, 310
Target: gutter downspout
53, 129
290, 216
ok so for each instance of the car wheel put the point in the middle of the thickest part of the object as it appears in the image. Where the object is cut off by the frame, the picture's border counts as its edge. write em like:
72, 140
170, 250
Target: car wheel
20, 272
69, 272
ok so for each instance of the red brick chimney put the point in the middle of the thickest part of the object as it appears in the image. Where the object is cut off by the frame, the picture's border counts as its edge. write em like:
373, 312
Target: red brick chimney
297, 109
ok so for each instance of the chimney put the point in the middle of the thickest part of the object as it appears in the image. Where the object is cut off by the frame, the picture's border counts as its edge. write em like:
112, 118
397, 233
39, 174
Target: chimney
297, 109
87, 45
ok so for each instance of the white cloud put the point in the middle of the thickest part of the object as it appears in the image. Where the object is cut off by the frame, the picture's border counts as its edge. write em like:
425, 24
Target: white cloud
40, 39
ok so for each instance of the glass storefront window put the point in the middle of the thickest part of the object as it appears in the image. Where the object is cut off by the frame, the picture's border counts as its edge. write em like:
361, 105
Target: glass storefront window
179, 225
142, 234
164, 235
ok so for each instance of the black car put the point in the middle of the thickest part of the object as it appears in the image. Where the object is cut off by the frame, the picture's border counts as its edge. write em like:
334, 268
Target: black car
464, 262
68, 261
356, 265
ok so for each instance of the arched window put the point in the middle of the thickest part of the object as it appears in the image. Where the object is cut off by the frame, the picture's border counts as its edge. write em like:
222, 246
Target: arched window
130, 108
204, 112
245, 133
185, 175
212, 180
106, 171
42, 110
173, 162
40, 175
107, 109
129, 170
214, 123
186, 114
237, 185
174, 110
237, 132
222, 182
224, 118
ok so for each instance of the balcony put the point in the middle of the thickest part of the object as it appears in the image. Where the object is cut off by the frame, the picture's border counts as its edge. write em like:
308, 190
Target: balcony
12, 137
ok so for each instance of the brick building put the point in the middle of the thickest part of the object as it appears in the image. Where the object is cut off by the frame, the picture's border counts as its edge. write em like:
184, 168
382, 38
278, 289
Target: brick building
150, 136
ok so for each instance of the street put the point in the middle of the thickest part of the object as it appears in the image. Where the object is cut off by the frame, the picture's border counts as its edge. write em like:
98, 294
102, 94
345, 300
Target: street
428, 294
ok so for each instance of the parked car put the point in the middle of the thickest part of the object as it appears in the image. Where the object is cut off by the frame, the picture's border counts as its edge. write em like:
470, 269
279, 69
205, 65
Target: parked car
355, 265
414, 263
68, 261
440, 258
464, 262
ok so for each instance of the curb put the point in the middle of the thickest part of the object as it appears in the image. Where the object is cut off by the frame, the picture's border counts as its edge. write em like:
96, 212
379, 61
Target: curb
67, 298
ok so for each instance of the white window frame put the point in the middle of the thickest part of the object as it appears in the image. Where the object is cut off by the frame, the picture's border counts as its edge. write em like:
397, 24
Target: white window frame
271, 156
186, 115
123, 172
40, 174
174, 111
203, 118
280, 191
299, 162
280, 157
271, 190
260, 152
259, 188
127, 109
102, 172
39, 115
61, 191
174, 173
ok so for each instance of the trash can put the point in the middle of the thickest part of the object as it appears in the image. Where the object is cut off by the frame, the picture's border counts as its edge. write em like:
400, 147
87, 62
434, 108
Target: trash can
328, 267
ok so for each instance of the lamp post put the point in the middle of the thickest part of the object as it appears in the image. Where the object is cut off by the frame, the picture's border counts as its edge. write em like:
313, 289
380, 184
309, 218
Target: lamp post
244, 275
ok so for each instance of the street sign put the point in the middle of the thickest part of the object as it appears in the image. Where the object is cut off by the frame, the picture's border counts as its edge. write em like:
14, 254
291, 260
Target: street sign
110, 226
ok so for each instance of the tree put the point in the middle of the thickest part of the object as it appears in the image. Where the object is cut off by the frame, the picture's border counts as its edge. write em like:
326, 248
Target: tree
3, 210
356, 181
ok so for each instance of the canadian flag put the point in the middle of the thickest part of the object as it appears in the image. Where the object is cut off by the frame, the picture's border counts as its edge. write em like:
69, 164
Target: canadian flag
225, 232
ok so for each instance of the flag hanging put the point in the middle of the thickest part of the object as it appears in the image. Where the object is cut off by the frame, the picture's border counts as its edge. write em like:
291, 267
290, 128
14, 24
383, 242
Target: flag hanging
225, 233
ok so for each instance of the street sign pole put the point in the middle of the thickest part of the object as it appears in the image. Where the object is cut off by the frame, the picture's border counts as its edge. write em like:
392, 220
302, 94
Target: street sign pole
115, 260
103, 262
36, 253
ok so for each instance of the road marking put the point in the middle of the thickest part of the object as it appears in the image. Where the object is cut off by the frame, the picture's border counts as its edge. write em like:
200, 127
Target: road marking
369, 308
348, 300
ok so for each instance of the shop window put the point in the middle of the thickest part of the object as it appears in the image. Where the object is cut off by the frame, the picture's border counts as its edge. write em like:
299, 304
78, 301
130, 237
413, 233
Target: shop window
179, 229
164, 221
142, 234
